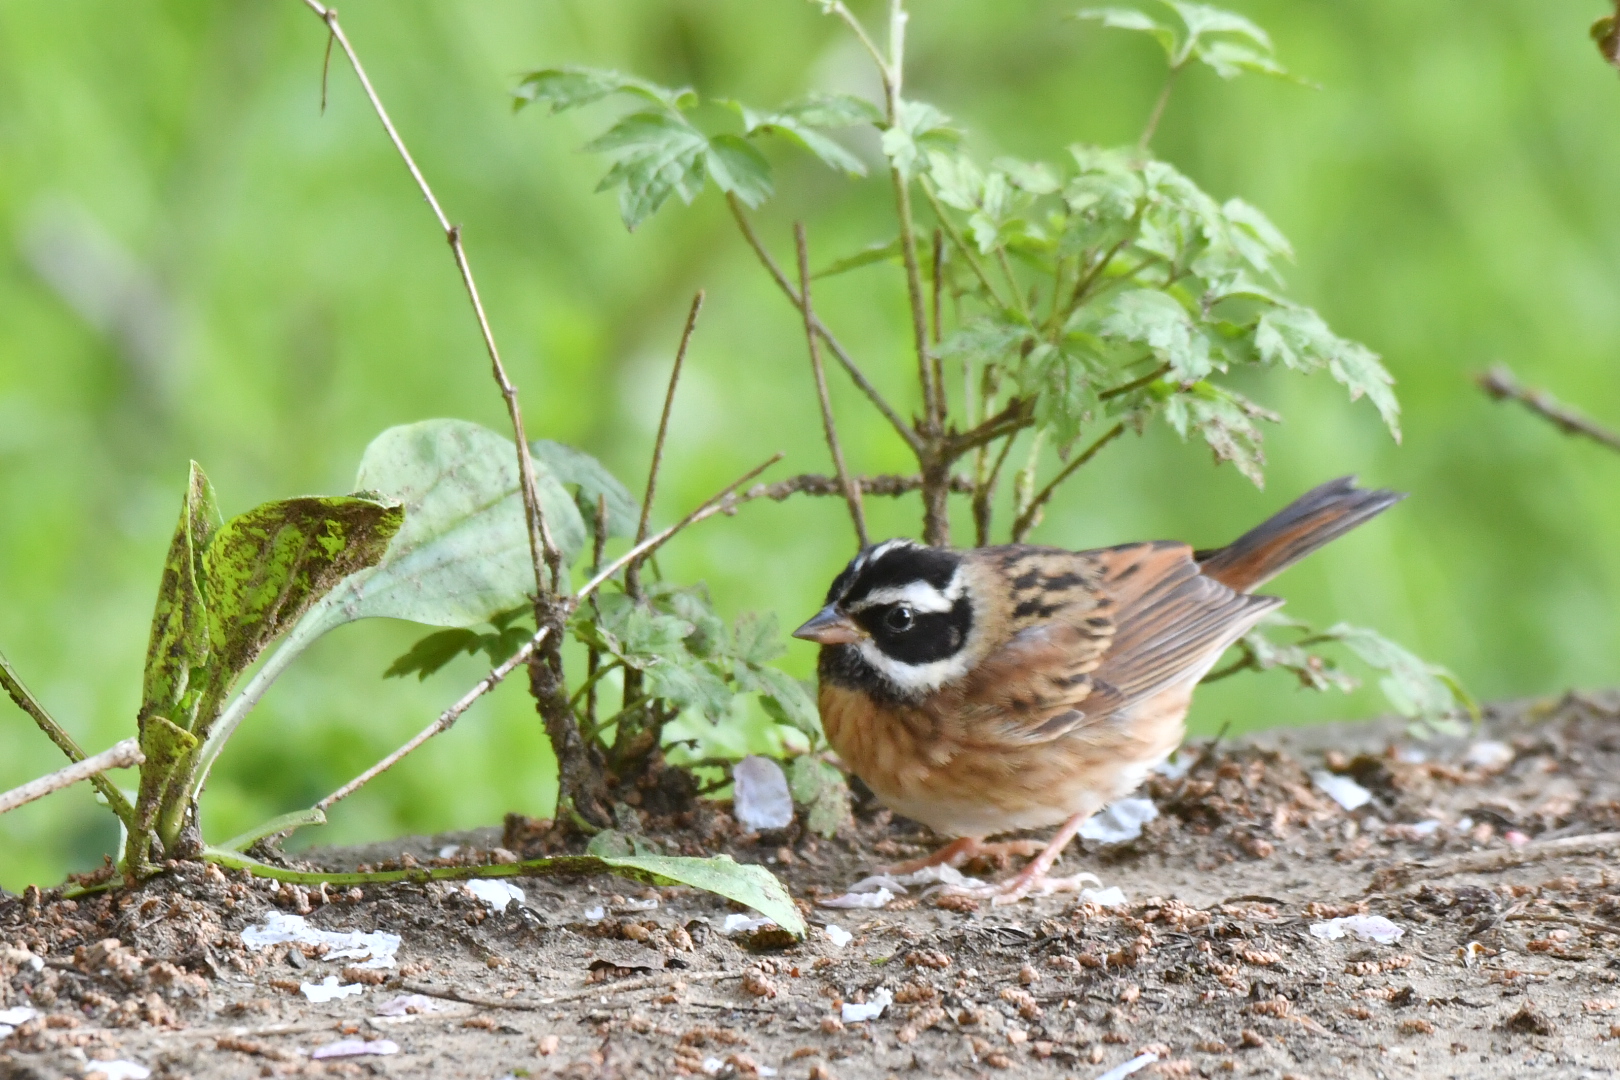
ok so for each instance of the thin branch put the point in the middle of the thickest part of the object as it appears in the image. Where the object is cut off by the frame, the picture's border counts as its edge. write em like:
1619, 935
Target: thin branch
1018, 415
984, 492
443, 723
542, 549
1501, 385
119, 756
632, 573
1032, 513
1135, 384
1158, 111
59, 735
900, 426
1087, 279
960, 243
852, 491
836, 7
885, 484
939, 286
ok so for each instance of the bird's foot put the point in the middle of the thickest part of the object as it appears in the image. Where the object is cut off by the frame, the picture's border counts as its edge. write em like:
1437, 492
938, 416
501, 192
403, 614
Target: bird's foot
1032, 880
960, 851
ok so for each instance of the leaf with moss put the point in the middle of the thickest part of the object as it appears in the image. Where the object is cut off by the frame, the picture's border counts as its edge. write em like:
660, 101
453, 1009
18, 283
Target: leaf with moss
178, 652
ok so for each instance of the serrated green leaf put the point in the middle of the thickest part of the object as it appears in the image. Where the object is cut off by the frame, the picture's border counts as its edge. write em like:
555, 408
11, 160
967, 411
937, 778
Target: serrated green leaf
592, 480
1413, 686
1154, 319
566, 88
1035, 177
739, 169
1204, 19
822, 791
655, 155
832, 110
433, 652
1299, 339
757, 638
689, 683
917, 129
1230, 59
785, 700
178, 650
799, 121
1225, 421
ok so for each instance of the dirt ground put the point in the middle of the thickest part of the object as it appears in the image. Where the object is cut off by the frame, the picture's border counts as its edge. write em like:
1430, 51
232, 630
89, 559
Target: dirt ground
1497, 869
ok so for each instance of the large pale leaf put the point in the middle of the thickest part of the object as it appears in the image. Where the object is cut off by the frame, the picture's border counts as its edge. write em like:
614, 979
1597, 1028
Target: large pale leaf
592, 481
177, 654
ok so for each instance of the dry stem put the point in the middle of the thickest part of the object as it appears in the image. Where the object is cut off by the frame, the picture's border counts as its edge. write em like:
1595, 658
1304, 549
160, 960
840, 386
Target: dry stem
119, 756
1032, 513
1501, 385
541, 547
59, 735
632, 572
852, 491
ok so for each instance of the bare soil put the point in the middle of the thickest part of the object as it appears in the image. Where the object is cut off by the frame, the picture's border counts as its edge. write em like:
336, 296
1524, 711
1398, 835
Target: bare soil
1510, 964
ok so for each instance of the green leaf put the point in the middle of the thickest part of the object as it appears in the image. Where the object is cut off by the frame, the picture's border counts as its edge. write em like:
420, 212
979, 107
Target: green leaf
1230, 59
1413, 686
750, 885
1154, 319
876, 253
1314, 671
798, 121
1203, 19
918, 128
264, 569
178, 652
165, 745
566, 88
757, 638
785, 701
1034, 177
433, 652
655, 155
1130, 19
832, 110
1224, 419
739, 169
822, 791
591, 480
1299, 339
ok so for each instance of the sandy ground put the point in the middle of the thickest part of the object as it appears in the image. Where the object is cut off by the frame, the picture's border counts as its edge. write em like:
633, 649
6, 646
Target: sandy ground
1496, 868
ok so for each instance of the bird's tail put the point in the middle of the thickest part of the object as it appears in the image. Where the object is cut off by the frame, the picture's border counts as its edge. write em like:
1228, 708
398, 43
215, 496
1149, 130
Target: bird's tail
1322, 514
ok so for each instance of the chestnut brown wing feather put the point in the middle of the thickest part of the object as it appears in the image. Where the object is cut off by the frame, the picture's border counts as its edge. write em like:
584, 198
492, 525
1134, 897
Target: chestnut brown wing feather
1070, 671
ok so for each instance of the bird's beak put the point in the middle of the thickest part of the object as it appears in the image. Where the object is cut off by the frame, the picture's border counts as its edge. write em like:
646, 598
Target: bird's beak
830, 627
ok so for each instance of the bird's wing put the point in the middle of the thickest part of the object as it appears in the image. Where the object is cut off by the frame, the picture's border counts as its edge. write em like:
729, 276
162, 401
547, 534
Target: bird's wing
1144, 620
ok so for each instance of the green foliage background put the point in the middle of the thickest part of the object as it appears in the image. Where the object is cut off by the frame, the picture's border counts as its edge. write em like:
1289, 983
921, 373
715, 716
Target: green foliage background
194, 263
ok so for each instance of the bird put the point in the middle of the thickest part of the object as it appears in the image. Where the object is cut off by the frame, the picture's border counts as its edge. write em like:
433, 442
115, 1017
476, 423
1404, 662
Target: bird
1004, 688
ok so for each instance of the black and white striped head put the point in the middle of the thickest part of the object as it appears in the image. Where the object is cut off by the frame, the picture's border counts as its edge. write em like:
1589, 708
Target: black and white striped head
898, 619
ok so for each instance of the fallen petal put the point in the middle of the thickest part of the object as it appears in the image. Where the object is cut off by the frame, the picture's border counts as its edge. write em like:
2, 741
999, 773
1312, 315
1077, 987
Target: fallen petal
838, 935
1341, 789
1364, 927
1113, 896
856, 1012
497, 894
405, 1004
858, 900
279, 927
116, 1070
760, 798
355, 1048
1136, 1064
329, 990
1120, 821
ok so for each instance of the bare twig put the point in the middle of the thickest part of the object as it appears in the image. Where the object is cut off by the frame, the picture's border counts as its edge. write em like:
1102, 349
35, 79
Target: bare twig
445, 721
1501, 385
1483, 862
900, 426
59, 735
884, 484
1032, 513
938, 284
541, 547
852, 491
984, 493
632, 572
1018, 414
962, 246
119, 756
836, 7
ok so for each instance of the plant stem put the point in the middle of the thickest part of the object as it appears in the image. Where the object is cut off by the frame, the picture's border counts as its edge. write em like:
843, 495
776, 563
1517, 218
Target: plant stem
632, 572
542, 550
1031, 515
59, 735
1500, 384
852, 491
119, 756
1158, 111
984, 493
933, 414
900, 426
960, 243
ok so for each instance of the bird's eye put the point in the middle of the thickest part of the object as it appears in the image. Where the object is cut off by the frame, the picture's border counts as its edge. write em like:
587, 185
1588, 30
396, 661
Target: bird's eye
899, 619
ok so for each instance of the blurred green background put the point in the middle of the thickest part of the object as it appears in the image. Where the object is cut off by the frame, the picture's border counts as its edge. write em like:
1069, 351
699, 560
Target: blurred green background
194, 263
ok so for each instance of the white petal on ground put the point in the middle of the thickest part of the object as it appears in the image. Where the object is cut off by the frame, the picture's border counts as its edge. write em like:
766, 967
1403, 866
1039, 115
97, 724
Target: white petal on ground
633, 904
345, 1048
855, 1012
870, 900
449, 851
595, 913
1490, 755
1113, 896
117, 1070
1136, 1064
329, 990
497, 894
713, 1065
279, 927
11, 1018
760, 798
1364, 927
838, 935
405, 1004
1341, 789
743, 924
1119, 821
1177, 765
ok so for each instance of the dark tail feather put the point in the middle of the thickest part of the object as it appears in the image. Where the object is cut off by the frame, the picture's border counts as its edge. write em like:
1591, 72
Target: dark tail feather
1320, 515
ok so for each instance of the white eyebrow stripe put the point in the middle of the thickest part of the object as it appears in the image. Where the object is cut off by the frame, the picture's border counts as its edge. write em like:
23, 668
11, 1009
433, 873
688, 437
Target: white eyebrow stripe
917, 594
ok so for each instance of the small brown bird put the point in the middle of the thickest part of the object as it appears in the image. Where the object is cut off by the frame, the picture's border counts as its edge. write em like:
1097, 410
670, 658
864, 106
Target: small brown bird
1017, 687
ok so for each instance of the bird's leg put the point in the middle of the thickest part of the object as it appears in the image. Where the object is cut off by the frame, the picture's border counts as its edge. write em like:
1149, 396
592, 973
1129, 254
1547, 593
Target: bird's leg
960, 851
1033, 878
